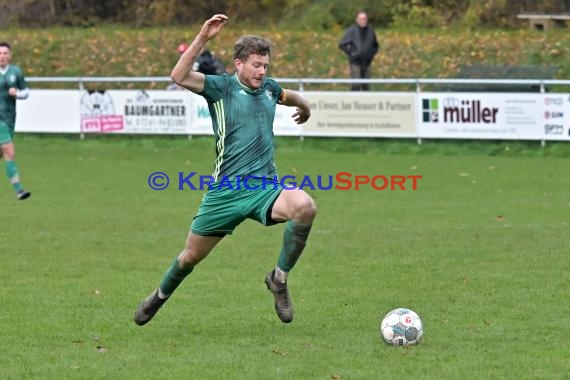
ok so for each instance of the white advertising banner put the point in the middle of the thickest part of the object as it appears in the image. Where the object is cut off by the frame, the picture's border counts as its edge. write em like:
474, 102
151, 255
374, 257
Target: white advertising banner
481, 116
126, 111
49, 111
556, 119
284, 125
373, 114
505, 116
201, 123
135, 111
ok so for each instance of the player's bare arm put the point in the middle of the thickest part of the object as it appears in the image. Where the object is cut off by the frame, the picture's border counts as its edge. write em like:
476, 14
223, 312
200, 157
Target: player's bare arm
182, 73
293, 99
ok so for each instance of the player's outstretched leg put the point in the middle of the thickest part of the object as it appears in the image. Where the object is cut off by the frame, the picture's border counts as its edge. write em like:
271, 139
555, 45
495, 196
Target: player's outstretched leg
283, 304
294, 240
197, 248
299, 209
148, 308
14, 178
151, 304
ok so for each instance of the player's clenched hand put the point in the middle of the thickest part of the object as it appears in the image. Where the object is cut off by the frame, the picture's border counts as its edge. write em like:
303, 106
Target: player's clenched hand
212, 27
301, 115
12, 91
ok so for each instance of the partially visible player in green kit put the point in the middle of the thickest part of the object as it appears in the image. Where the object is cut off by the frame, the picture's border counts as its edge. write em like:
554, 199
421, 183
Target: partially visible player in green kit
242, 107
12, 86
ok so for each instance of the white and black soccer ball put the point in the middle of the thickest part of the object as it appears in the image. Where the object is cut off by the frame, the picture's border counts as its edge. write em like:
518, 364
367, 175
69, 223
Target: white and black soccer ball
402, 327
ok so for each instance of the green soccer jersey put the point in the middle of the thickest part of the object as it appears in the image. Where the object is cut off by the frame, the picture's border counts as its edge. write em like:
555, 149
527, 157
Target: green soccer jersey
11, 77
242, 119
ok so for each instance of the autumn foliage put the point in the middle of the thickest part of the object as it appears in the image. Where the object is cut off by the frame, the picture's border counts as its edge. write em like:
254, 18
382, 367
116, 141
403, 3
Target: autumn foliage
422, 53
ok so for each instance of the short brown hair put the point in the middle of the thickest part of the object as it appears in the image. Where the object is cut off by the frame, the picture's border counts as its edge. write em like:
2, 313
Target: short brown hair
5, 44
248, 45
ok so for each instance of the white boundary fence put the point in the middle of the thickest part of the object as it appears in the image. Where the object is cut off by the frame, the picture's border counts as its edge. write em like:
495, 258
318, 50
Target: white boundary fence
419, 114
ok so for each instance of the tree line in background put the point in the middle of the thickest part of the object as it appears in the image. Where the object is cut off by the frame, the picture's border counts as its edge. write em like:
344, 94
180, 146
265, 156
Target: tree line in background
298, 14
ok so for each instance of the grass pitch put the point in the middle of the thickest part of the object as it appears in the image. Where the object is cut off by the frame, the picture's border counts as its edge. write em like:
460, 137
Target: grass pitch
479, 250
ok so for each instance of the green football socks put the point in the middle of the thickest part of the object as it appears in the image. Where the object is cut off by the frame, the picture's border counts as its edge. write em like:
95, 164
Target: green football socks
173, 277
294, 241
13, 176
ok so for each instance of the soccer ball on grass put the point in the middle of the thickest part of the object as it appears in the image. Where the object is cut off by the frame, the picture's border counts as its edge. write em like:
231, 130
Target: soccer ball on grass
401, 327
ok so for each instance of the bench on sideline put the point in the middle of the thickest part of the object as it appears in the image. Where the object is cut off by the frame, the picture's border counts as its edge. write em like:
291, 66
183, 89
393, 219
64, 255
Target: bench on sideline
545, 21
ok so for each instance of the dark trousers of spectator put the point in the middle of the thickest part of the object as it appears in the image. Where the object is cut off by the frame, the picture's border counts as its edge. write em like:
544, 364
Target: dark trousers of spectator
359, 72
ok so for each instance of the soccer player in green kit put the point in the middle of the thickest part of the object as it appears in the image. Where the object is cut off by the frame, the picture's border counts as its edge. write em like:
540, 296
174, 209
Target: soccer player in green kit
12, 86
242, 107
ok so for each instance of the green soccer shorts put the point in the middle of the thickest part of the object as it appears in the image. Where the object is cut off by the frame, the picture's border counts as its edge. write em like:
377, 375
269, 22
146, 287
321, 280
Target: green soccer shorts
6, 133
223, 208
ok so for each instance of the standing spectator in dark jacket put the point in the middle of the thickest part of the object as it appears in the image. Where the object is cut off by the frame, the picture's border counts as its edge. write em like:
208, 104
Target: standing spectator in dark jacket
206, 63
360, 45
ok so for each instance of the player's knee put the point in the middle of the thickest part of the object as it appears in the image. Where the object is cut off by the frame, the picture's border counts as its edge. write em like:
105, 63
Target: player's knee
306, 209
188, 258
311, 208
8, 151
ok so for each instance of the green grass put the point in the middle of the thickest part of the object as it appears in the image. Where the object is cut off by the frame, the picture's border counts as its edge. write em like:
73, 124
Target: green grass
480, 251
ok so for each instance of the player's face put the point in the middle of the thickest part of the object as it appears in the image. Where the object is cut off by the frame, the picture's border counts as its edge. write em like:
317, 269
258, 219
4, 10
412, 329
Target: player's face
4, 56
251, 71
